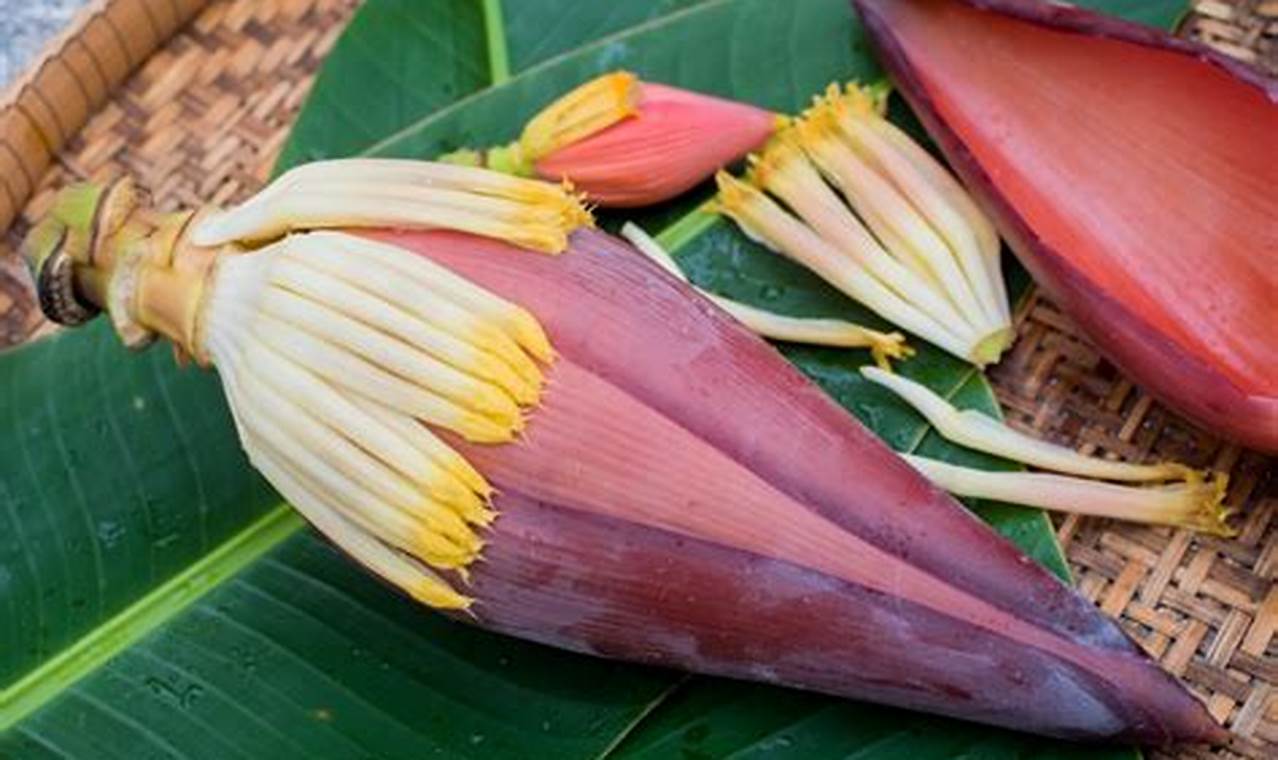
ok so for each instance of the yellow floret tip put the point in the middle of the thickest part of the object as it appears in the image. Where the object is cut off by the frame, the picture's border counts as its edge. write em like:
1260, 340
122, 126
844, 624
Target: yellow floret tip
439, 595
734, 194
586, 110
1213, 514
396, 193
886, 347
348, 361
781, 151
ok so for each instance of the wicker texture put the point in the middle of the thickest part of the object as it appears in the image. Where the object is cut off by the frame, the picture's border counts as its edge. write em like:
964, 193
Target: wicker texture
75, 76
1244, 29
203, 119
1205, 608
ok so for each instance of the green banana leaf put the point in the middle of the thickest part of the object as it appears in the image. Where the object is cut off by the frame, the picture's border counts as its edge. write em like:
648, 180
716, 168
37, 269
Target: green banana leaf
158, 601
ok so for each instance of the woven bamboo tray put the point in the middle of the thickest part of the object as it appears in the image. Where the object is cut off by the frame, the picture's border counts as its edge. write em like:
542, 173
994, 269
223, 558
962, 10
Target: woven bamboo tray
216, 85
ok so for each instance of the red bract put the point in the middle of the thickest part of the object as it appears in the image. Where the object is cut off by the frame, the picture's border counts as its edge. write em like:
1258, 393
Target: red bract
682, 496
675, 140
1133, 174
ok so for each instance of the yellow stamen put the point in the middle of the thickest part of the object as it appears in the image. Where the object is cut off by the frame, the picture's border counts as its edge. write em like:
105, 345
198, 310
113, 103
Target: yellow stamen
983, 433
982, 227
364, 429
516, 321
265, 437
409, 282
763, 220
1195, 504
824, 332
785, 171
423, 175
426, 442
368, 452
837, 333
855, 100
931, 200
887, 212
336, 352
355, 374
394, 567
295, 276
349, 465
413, 194
586, 110
399, 358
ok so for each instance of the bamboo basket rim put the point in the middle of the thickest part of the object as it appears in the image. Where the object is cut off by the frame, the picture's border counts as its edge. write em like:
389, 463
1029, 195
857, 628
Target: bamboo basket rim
51, 100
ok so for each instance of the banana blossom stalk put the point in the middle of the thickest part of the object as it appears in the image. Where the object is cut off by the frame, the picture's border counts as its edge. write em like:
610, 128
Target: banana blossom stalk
574, 447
